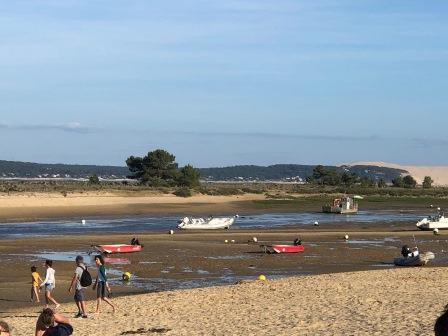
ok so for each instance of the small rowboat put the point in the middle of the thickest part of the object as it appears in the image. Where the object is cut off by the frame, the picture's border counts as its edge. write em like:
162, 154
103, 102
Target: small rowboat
118, 248
283, 248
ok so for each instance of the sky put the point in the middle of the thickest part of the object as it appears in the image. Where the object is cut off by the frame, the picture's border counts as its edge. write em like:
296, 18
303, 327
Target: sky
221, 83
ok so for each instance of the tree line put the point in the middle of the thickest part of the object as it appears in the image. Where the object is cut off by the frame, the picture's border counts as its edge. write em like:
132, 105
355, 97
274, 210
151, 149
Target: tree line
159, 168
331, 177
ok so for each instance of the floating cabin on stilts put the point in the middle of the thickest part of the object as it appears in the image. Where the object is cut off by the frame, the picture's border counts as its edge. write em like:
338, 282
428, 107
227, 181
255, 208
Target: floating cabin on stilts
342, 205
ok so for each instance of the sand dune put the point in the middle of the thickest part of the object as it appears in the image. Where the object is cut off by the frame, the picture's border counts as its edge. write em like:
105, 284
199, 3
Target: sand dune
384, 302
438, 173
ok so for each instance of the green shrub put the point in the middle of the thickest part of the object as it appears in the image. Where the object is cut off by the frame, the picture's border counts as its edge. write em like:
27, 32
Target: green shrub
183, 192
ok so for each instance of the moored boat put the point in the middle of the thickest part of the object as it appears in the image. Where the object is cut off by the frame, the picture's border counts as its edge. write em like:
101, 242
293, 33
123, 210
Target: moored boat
420, 260
438, 221
209, 223
279, 248
342, 205
118, 248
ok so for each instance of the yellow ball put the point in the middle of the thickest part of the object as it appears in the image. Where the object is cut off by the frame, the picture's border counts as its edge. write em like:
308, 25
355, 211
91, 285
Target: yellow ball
261, 277
126, 276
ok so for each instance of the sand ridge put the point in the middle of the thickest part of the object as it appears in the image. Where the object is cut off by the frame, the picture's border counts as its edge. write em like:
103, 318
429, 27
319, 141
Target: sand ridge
384, 302
438, 173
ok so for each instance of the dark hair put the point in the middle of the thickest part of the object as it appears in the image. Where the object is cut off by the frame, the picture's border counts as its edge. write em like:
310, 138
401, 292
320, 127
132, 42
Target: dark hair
441, 326
79, 258
33, 269
49, 262
47, 317
100, 258
5, 326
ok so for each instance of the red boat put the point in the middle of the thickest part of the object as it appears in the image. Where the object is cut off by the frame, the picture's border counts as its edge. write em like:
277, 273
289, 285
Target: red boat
283, 248
118, 248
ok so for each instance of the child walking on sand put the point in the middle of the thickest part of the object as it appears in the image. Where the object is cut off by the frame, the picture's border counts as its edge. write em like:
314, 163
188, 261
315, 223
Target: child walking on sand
101, 285
49, 283
35, 279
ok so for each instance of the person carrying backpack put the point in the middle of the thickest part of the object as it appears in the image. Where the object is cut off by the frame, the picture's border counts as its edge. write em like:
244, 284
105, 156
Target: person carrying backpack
81, 279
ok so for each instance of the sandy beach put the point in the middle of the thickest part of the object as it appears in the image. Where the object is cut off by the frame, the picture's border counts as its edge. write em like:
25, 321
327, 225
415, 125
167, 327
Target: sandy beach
383, 302
31, 206
335, 287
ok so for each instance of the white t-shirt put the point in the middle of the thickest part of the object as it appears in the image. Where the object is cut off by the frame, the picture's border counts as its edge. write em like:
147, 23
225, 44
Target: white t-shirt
49, 277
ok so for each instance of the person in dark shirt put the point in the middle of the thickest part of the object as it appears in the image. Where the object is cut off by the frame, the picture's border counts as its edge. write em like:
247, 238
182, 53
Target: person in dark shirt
441, 326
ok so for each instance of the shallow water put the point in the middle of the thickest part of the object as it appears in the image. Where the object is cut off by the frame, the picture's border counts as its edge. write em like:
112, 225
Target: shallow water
140, 224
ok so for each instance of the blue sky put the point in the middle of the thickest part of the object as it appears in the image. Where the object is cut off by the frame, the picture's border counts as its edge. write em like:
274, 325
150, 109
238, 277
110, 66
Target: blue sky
224, 82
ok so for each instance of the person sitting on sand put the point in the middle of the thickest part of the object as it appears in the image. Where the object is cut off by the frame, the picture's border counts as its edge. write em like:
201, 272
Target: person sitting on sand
297, 241
441, 325
50, 323
135, 241
49, 283
5, 330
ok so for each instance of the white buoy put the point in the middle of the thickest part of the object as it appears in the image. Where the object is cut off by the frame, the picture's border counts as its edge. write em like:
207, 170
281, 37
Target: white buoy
254, 239
435, 231
316, 223
226, 241
232, 241
431, 206
438, 208
83, 222
346, 237
171, 232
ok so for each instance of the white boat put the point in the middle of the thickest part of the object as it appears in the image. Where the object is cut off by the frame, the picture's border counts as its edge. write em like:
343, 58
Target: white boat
342, 205
438, 221
419, 260
209, 223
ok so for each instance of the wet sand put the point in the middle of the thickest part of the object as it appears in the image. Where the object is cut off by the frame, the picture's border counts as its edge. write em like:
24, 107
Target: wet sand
374, 302
36, 206
195, 259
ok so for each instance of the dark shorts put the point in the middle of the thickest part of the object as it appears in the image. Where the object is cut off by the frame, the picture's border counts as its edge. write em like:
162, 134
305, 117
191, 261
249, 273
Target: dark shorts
101, 290
79, 295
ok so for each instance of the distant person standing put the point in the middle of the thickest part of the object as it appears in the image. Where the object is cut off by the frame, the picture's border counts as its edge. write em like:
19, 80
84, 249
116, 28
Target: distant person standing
35, 279
49, 283
81, 279
101, 285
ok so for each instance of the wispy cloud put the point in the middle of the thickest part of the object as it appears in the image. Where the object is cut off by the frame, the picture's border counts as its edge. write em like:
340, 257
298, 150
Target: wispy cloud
74, 127
267, 135
430, 142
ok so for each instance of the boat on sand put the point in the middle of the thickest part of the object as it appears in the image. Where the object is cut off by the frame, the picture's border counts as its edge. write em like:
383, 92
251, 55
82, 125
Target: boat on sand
438, 221
209, 223
118, 248
420, 260
278, 248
